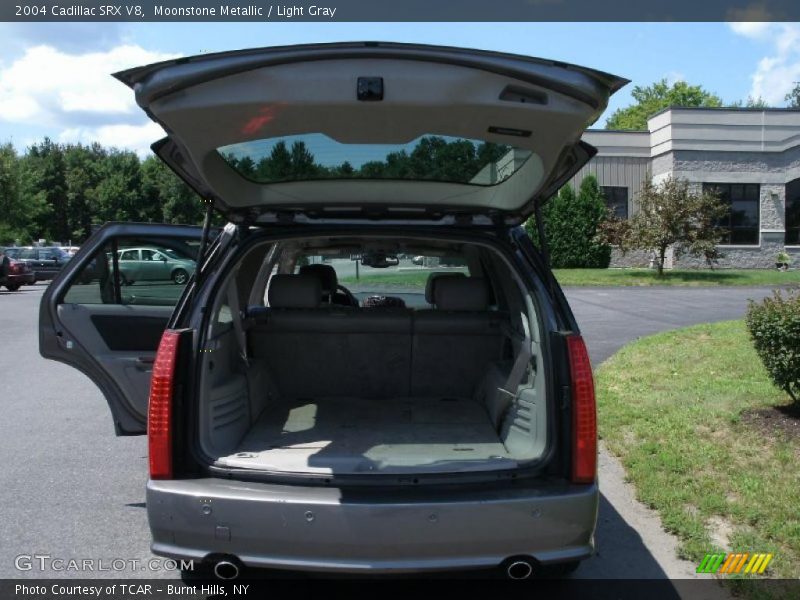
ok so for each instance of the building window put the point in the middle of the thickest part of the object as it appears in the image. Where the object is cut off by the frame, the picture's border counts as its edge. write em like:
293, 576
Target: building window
741, 224
616, 200
793, 213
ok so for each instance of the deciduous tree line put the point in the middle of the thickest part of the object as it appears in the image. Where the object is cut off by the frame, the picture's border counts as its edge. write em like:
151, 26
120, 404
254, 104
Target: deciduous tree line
59, 191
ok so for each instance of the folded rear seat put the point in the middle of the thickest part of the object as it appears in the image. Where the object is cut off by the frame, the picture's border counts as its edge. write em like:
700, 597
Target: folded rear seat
455, 343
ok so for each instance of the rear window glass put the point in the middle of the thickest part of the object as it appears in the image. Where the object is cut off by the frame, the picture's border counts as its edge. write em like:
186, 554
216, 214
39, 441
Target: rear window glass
428, 158
403, 276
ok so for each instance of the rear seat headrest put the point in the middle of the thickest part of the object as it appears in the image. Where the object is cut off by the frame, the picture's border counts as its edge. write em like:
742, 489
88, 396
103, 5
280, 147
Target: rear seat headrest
461, 293
326, 275
294, 291
430, 286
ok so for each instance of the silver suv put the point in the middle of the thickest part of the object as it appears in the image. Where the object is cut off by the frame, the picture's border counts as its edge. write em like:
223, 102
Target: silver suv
315, 397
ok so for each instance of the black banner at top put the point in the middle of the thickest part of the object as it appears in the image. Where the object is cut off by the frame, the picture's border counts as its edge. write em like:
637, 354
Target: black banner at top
399, 10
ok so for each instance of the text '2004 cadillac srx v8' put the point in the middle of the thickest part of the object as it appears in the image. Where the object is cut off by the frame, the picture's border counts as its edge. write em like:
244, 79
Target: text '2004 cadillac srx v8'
371, 368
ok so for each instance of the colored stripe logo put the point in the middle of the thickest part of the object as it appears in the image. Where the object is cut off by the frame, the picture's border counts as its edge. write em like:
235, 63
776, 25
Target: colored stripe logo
735, 562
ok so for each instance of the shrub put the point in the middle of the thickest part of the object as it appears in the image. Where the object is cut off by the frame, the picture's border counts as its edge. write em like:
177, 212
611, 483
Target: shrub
774, 326
571, 222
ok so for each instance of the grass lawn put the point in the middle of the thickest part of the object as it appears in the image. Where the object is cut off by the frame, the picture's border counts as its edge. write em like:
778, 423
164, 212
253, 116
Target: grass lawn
690, 277
412, 279
678, 408
613, 277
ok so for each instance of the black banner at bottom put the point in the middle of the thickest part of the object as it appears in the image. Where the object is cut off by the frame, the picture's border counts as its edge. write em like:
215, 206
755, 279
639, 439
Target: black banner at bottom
295, 588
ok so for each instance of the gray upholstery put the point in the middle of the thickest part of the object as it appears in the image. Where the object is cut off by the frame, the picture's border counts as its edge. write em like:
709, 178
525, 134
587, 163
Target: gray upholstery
430, 285
454, 343
329, 352
294, 291
359, 435
451, 351
460, 293
334, 351
326, 275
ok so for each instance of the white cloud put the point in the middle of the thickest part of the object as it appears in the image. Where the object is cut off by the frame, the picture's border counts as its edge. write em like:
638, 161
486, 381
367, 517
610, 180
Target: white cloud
131, 137
777, 73
754, 30
75, 93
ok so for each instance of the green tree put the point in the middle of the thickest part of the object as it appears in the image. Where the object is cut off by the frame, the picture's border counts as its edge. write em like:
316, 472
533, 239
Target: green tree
793, 97
118, 192
658, 96
82, 176
13, 216
671, 215
751, 102
571, 223
154, 174
44, 191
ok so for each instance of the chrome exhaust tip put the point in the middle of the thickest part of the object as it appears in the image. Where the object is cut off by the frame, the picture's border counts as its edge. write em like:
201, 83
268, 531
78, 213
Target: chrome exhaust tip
226, 570
519, 569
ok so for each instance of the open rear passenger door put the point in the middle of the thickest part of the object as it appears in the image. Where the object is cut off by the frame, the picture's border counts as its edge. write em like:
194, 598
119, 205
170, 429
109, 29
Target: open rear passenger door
99, 318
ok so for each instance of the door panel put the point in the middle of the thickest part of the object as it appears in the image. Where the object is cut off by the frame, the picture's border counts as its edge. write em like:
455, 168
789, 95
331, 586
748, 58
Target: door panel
123, 339
131, 333
109, 329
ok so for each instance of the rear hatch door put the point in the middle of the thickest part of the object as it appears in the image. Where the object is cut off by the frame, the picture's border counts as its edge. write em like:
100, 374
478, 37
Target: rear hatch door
390, 130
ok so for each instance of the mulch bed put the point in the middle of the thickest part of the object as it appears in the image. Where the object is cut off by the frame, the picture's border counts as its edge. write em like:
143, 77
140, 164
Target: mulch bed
783, 419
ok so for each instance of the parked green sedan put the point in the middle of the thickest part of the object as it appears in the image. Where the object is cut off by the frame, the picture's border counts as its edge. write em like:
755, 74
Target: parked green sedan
153, 264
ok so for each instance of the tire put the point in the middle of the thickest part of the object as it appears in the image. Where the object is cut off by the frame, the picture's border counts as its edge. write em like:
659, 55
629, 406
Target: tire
13, 287
180, 276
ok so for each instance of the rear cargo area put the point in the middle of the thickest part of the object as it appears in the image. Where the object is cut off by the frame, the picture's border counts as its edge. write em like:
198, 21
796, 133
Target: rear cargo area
450, 385
359, 435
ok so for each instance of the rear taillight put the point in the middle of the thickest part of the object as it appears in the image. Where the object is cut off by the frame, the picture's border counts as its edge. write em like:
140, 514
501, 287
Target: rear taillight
584, 412
159, 412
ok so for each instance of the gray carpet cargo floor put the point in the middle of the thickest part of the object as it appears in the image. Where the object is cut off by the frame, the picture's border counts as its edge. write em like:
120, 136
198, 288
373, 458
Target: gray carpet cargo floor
360, 435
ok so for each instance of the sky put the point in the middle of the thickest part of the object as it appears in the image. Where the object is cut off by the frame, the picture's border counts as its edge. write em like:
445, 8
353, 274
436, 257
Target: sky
55, 77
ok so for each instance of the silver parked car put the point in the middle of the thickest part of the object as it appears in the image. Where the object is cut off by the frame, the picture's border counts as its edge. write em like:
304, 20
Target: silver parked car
293, 421
153, 264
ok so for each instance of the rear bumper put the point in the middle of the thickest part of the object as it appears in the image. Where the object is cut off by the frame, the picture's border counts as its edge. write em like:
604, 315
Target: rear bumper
44, 275
329, 529
19, 279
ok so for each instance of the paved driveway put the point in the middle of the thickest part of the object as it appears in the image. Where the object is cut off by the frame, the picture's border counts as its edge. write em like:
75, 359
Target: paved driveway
609, 318
69, 488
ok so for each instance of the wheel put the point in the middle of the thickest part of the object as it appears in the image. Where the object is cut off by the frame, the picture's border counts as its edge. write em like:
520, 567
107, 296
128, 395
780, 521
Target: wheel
180, 276
12, 287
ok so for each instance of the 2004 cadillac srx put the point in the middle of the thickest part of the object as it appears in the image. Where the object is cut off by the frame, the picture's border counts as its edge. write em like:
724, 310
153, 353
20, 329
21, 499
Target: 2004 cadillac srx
317, 397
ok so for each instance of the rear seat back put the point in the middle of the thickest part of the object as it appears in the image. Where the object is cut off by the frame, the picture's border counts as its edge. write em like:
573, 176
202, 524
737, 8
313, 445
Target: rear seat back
331, 351
454, 343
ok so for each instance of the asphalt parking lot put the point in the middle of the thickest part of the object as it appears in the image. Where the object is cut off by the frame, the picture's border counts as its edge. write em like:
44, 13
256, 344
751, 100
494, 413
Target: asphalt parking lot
69, 488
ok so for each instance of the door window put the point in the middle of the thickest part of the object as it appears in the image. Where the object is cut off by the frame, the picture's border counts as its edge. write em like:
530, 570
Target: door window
129, 280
